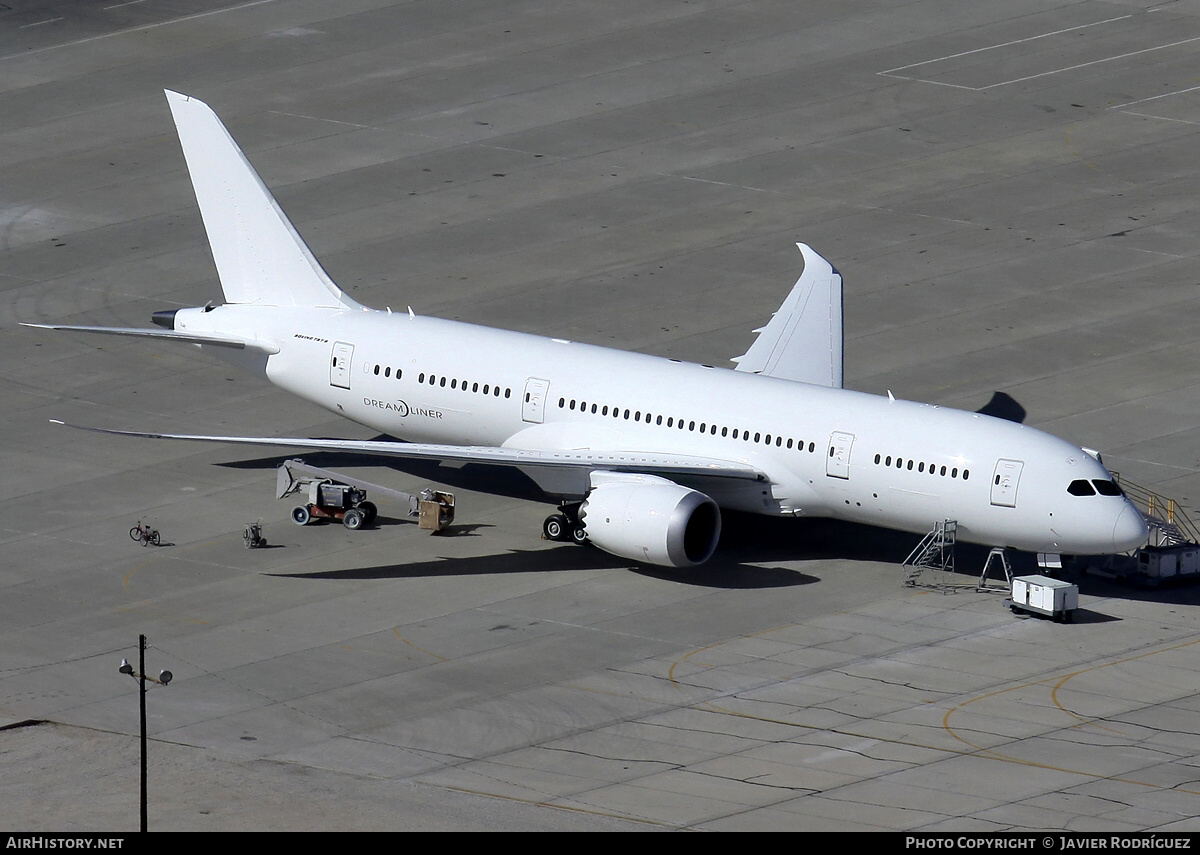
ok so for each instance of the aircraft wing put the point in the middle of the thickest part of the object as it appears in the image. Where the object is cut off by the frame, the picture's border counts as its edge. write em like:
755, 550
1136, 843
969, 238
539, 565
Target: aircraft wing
555, 471
803, 340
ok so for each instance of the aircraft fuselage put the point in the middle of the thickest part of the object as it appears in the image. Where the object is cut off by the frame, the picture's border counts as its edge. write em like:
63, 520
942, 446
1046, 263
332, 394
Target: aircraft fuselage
826, 452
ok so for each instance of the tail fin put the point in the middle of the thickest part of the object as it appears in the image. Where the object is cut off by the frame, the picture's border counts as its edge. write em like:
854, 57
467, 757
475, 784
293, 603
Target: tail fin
260, 257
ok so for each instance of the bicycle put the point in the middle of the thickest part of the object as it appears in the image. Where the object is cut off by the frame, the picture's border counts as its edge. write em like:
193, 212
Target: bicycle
144, 534
252, 536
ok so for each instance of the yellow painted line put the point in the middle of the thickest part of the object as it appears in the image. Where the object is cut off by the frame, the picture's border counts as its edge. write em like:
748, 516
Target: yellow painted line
1083, 720
686, 657
972, 748
759, 634
156, 557
546, 804
396, 632
997, 755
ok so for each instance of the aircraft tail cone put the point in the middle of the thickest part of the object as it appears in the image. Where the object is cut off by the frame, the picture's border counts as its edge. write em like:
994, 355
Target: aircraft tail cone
165, 318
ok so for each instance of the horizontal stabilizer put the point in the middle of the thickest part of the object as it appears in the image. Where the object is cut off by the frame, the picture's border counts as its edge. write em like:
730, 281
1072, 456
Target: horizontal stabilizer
803, 340
169, 335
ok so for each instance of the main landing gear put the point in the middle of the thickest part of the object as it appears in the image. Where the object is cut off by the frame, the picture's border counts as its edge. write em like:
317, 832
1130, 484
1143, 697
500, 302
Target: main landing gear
565, 526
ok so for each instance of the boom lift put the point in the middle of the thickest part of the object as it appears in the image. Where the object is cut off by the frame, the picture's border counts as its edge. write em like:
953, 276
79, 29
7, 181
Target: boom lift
337, 496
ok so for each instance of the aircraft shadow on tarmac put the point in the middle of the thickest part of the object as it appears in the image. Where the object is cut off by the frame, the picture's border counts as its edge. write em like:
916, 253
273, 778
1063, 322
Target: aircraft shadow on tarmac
568, 557
747, 541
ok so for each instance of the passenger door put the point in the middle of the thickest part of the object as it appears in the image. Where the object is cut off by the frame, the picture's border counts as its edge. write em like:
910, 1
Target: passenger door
837, 464
1004, 482
339, 367
534, 404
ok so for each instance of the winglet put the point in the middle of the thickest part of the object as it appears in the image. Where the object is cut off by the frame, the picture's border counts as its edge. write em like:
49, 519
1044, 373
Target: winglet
803, 341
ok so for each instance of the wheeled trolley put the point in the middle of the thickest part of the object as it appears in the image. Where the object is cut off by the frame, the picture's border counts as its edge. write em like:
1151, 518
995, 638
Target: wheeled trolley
1041, 595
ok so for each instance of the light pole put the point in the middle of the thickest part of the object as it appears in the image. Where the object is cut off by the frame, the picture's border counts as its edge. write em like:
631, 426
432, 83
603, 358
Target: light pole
164, 677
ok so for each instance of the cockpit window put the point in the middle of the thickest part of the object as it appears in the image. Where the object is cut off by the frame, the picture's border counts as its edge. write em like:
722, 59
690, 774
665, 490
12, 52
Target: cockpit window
1081, 488
1091, 488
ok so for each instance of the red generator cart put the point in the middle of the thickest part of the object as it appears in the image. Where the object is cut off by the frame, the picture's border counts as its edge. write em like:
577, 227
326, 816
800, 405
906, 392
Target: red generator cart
330, 501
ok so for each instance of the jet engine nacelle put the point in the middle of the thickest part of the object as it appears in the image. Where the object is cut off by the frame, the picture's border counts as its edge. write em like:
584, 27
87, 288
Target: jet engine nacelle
650, 519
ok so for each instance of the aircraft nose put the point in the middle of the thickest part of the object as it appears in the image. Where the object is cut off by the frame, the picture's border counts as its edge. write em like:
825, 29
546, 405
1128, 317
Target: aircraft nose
1130, 530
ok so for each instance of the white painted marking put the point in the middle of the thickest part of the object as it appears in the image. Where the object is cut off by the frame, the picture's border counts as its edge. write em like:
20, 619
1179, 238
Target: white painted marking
1005, 44
1163, 118
321, 119
1094, 62
934, 82
892, 72
134, 29
1153, 98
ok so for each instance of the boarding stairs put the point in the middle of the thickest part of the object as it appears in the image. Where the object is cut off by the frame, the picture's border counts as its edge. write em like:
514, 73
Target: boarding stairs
934, 552
1169, 525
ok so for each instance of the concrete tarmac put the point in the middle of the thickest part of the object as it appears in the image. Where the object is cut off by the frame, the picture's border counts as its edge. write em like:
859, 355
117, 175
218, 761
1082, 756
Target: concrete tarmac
1009, 191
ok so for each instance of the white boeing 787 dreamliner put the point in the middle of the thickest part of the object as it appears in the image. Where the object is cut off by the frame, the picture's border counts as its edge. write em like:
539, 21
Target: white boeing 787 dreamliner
640, 453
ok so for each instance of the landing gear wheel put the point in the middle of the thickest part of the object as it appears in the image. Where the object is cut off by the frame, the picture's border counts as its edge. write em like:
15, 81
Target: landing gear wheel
354, 519
555, 527
300, 515
579, 535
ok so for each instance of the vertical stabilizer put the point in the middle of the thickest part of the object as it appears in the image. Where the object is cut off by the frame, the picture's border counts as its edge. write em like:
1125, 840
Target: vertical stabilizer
260, 257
